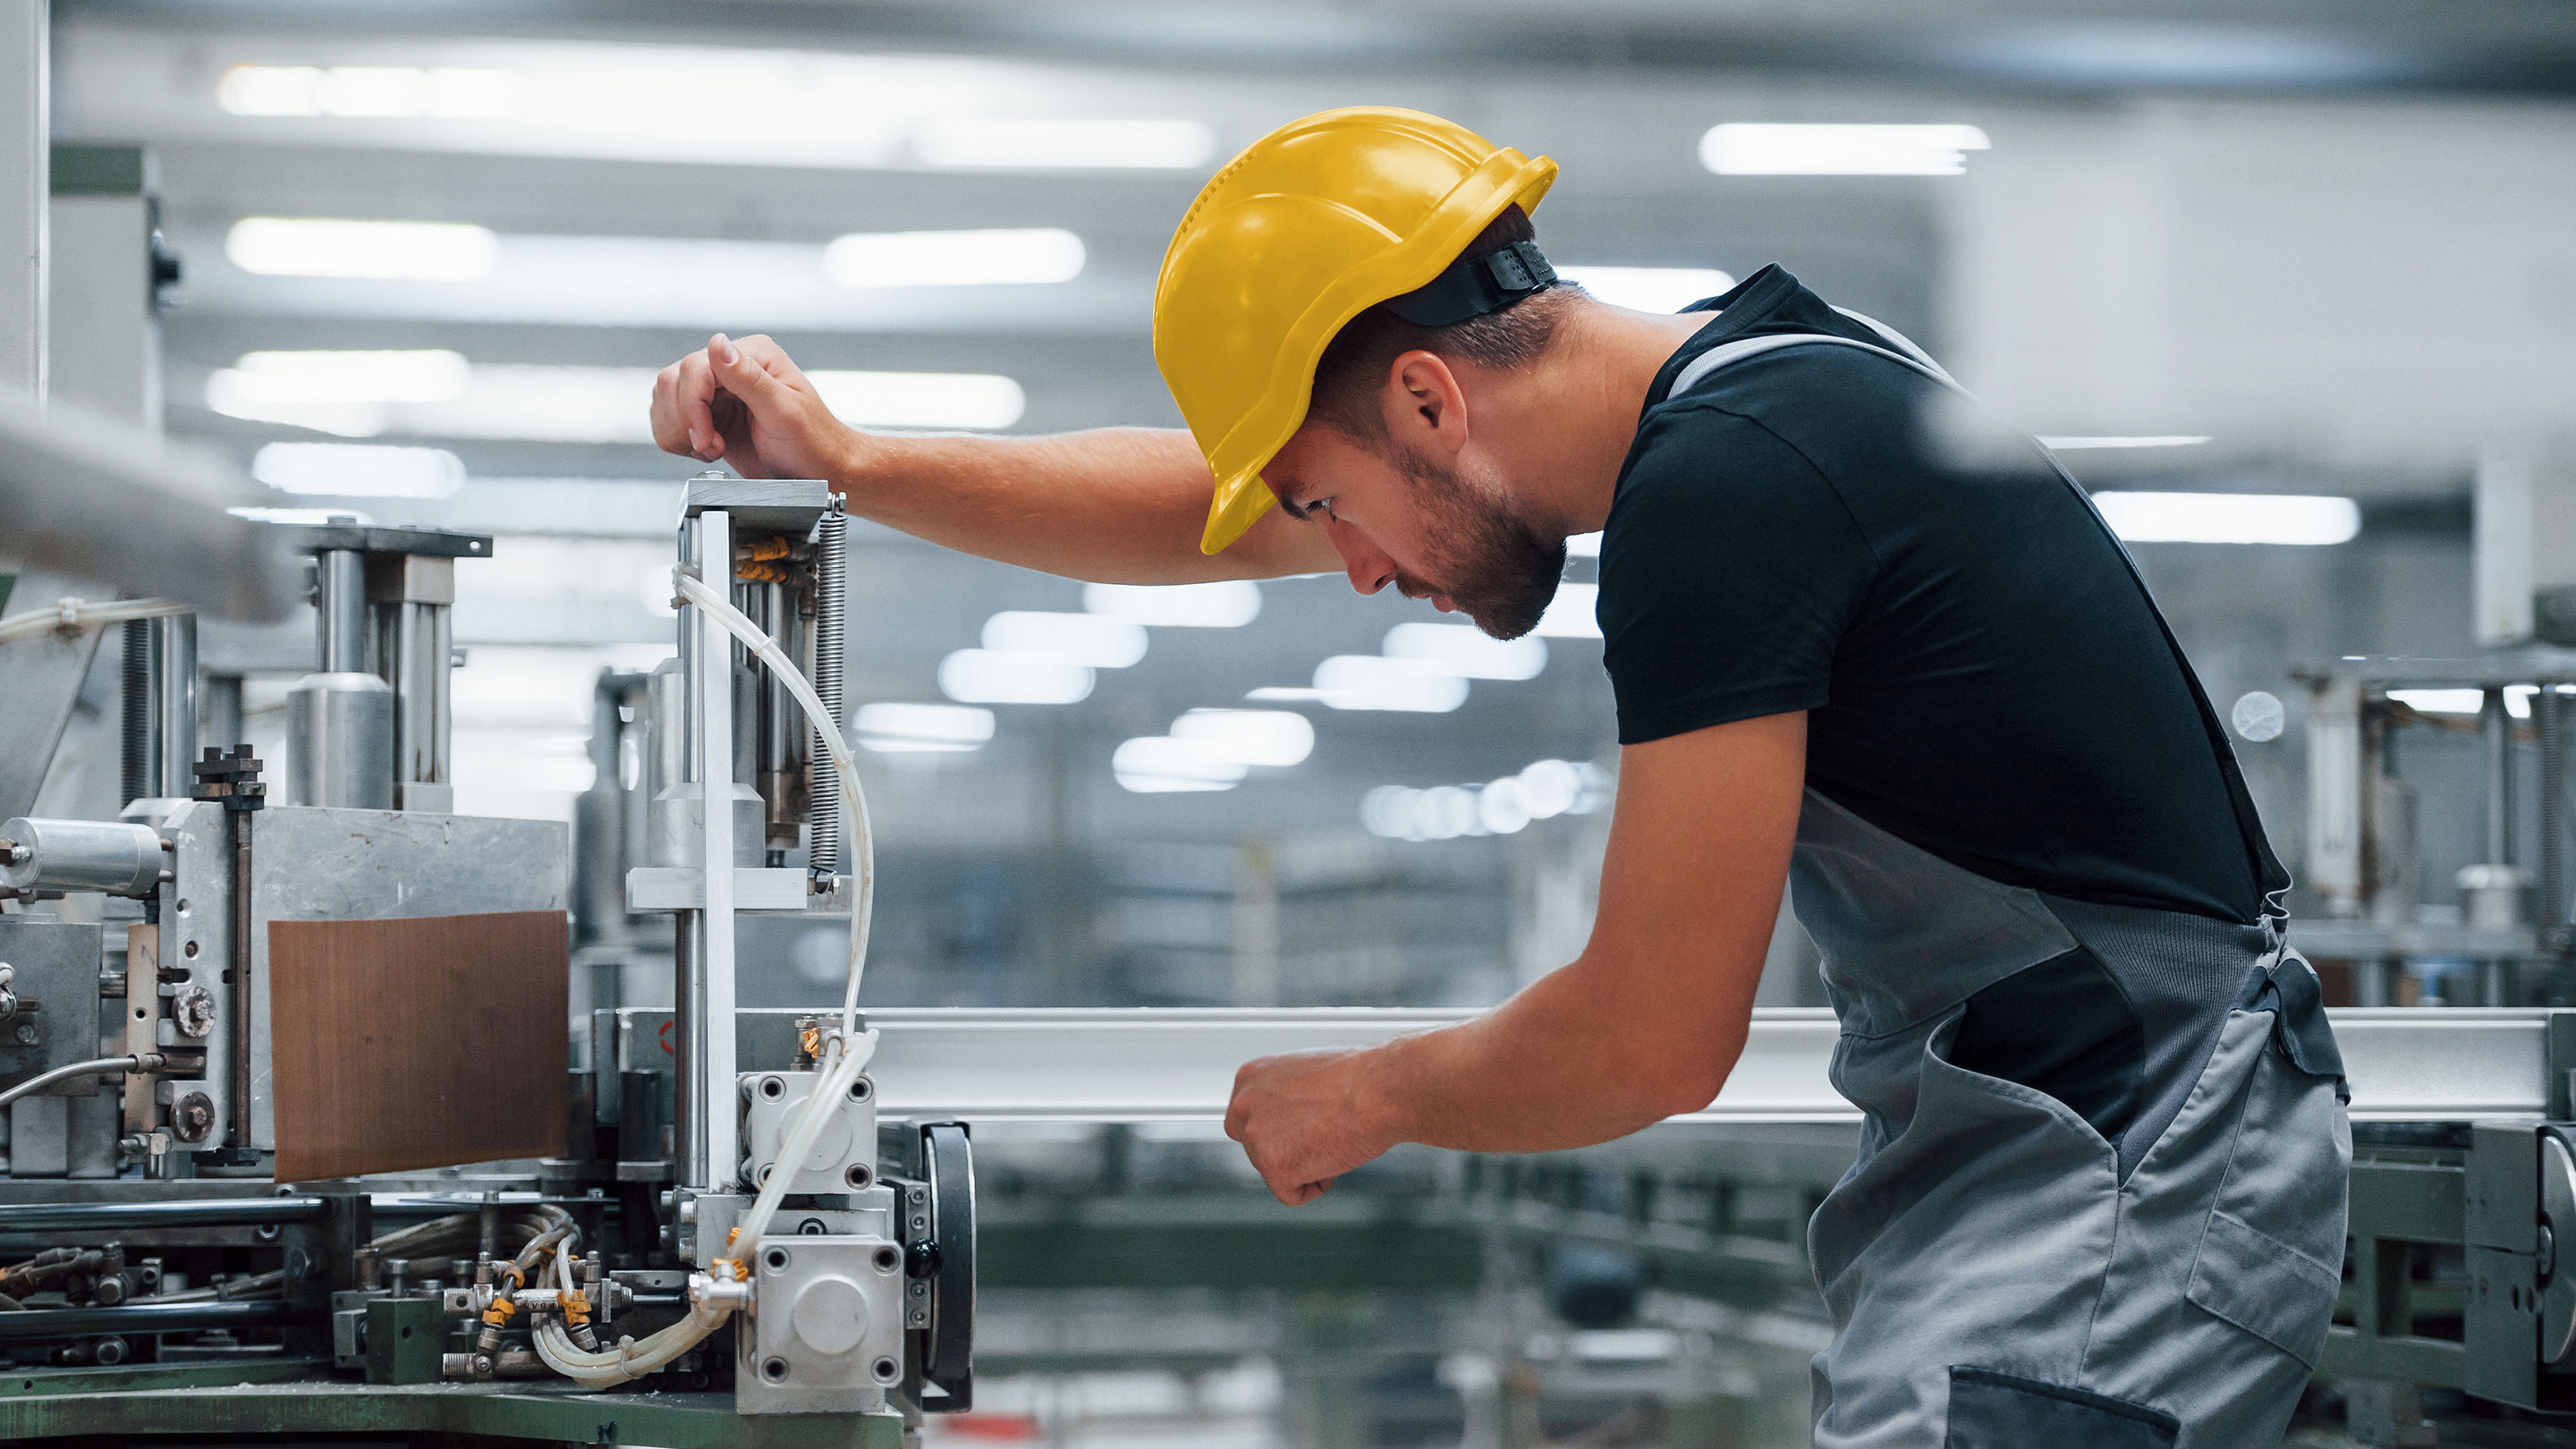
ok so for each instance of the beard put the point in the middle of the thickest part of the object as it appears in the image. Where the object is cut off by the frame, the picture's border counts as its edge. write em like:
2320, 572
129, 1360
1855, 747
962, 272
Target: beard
1492, 564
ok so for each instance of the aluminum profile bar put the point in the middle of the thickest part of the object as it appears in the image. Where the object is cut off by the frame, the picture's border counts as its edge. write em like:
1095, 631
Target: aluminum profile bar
710, 1153
2431, 1064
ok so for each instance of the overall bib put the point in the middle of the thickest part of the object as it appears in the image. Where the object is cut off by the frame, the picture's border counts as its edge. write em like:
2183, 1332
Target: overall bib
2000, 1274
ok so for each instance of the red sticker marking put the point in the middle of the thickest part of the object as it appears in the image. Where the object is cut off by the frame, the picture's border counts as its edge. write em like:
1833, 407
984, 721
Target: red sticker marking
664, 1036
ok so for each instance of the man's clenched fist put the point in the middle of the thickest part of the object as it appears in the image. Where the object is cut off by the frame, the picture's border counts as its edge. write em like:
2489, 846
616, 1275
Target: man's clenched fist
1308, 1117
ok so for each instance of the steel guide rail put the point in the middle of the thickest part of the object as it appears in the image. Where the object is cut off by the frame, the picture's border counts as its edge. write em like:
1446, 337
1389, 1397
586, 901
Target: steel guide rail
1109, 1065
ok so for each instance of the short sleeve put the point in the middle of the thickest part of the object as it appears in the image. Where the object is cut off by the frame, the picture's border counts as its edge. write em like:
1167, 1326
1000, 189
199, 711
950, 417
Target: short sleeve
1730, 569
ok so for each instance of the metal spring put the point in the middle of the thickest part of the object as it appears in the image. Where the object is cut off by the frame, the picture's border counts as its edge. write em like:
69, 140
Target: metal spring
831, 611
137, 722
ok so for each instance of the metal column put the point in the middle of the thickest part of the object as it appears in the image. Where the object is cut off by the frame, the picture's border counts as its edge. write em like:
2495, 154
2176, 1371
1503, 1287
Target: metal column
174, 703
342, 639
2495, 738
26, 183
704, 1033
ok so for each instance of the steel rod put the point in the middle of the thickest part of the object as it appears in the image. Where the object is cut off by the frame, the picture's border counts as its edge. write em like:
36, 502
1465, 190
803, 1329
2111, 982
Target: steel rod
212, 1212
142, 1318
237, 1000
2495, 735
174, 702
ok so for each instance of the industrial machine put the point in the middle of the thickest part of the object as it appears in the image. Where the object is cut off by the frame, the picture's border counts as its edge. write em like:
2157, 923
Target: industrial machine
293, 1096
2365, 858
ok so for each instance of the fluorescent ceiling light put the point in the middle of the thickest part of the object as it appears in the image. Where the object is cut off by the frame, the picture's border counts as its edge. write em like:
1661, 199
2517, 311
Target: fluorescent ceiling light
1549, 788
892, 727
1545, 789
979, 400
440, 395
994, 257
2517, 700
1373, 681
2441, 701
1225, 604
446, 93
1569, 614
1649, 289
1159, 764
411, 251
423, 375
2064, 443
299, 515
1093, 640
1465, 651
358, 470
1837, 150
995, 676
2295, 518
979, 142
1274, 738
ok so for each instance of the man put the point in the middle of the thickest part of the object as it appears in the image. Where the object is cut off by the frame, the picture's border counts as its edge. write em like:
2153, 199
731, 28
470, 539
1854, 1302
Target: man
2101, 1186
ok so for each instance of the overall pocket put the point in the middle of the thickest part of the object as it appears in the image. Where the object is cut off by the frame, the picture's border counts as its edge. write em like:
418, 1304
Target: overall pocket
2270, 1257
1990, 1410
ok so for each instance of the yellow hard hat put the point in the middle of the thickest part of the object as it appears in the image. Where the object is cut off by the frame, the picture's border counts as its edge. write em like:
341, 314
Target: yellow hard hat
1312, 225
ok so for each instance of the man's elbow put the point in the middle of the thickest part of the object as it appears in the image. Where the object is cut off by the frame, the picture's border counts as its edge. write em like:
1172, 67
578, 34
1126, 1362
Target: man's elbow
1682, 1086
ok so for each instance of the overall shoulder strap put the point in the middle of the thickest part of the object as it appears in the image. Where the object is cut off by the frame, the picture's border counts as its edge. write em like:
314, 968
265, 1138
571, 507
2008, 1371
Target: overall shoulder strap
1900, 350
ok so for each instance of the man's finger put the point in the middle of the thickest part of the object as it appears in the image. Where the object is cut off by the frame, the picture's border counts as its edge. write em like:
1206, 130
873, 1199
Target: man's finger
682, 423
739, 371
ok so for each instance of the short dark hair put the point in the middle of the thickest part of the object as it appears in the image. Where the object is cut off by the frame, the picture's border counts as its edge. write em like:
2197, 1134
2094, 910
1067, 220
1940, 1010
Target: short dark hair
1354, 365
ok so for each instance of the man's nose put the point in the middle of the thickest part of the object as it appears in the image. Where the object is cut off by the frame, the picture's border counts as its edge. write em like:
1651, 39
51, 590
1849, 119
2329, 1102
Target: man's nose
1367, 564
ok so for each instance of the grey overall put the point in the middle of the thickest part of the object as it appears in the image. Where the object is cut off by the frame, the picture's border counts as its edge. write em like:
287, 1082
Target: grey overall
2001, 1275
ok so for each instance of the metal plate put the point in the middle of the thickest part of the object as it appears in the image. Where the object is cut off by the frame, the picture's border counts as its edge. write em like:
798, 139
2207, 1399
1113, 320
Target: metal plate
322, 864
418, 1042
44, 671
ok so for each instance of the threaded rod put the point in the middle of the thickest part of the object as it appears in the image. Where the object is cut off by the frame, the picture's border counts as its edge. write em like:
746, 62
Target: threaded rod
138, 718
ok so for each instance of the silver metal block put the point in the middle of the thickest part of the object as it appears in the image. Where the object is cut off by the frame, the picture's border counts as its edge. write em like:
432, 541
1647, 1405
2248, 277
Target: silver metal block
677, 825
340, 741
666, 888
827, 1326
844, 1155
52, 1002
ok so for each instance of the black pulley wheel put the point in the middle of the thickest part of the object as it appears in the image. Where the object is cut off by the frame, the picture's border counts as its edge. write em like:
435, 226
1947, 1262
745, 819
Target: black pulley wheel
948, 1162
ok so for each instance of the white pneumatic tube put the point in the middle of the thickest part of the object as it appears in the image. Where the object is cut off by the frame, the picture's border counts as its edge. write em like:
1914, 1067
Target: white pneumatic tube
846, 1052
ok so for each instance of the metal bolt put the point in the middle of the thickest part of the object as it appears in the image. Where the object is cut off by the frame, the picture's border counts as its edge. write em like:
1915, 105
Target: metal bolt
26, 1033
299, 1264
192, 1117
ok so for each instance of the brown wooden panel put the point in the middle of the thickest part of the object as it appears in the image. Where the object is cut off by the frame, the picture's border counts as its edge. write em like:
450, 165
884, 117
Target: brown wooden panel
422, 1042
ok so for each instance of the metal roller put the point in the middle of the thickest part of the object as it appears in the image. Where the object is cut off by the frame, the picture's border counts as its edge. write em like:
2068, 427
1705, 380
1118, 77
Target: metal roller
114, 856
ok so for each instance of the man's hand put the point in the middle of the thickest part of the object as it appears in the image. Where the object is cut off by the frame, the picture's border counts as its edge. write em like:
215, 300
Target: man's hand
747, 403
1305, 1119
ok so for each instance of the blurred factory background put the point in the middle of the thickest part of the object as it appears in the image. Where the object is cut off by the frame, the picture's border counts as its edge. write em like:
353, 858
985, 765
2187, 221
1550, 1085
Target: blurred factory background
2294, 291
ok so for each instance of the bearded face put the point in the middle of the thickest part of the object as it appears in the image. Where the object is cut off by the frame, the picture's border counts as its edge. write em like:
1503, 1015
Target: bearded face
1485, 556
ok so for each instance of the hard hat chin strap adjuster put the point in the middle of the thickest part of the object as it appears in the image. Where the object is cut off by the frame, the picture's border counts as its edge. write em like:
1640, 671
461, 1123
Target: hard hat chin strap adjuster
1476, 285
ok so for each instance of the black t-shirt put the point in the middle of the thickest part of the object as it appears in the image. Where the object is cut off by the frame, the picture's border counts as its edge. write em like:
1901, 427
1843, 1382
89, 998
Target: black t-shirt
1983, 671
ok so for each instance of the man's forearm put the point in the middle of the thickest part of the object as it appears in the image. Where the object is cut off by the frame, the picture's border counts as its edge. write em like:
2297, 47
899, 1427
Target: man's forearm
1112, 505
1568, 1062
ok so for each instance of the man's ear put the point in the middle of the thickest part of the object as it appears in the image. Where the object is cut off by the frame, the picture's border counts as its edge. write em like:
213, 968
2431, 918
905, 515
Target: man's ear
1424, 402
